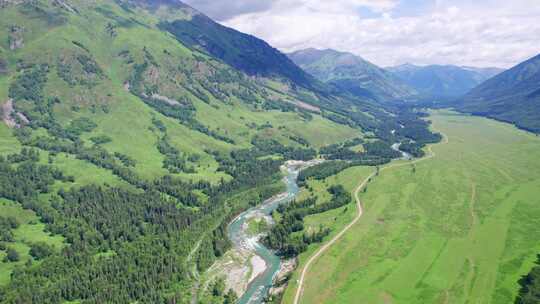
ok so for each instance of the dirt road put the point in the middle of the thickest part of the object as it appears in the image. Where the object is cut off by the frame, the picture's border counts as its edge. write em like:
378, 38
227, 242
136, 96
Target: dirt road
321, 250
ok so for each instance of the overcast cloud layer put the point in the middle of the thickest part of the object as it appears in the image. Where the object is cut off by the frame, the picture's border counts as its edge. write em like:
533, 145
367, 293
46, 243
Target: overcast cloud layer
391, 32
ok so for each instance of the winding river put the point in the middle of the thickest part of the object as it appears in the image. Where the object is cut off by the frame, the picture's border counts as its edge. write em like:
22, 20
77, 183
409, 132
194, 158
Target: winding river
259, 287
404, 155
237, 230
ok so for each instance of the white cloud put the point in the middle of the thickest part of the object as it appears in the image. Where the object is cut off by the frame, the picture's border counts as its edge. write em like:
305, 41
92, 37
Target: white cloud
222, 10
479, 33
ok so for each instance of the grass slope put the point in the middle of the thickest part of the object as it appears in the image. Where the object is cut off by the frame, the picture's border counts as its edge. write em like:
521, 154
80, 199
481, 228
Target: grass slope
461, 229
124, 117
8, 143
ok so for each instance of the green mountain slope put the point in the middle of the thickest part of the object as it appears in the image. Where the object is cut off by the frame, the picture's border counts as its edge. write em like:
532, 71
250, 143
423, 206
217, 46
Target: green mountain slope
512, 96
125, 151
442, 80
352, 74
241, 51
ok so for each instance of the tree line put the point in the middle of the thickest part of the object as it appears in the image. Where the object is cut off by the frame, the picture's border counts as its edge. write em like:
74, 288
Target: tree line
285, 236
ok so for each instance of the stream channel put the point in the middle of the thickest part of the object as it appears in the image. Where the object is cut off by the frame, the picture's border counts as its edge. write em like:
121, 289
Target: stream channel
237, 230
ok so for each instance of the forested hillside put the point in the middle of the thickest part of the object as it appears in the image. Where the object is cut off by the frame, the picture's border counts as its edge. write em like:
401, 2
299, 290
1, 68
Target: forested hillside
126, 147
512, 96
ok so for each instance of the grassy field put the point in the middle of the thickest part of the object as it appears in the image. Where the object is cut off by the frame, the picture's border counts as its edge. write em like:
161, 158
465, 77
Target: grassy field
8, 143
460, 228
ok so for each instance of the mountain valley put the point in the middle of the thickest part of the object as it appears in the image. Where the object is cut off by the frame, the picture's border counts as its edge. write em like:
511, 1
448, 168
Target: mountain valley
152, 154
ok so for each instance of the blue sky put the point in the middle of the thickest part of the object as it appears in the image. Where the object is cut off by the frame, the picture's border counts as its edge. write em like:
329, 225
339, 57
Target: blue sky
390, 32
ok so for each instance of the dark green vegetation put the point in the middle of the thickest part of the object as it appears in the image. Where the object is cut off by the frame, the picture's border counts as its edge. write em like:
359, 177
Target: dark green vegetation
376, 152
7, 224
132, 149
530, 286
322, 171
442, 81
352, 74
512, 96
120, 234
288, 237
3, 66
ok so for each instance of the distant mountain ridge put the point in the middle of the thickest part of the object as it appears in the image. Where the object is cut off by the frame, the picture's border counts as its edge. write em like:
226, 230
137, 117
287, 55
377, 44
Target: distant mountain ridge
512, 96
244, 52
442, 80
351, 73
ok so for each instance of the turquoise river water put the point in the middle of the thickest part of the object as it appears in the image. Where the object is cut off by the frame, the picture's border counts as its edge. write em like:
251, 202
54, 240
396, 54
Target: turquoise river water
258, 289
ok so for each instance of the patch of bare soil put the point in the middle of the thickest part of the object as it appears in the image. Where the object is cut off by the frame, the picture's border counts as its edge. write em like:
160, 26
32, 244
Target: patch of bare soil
7, 111
307, 106
281, 279
10, 117
166, 99
238, 268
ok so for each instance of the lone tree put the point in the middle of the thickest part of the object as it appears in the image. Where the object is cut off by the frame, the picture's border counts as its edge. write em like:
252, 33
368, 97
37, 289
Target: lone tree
12, 255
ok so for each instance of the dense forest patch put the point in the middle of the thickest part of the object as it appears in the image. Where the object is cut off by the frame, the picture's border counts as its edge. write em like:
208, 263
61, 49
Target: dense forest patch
530, 286
282, 236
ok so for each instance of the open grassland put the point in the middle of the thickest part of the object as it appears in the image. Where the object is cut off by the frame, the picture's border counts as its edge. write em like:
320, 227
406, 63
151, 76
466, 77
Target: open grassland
461, 227
8, 143
84, 172
334, 219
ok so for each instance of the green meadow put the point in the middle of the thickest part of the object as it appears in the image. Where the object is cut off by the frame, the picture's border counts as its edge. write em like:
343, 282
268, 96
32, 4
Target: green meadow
461, 227
8, 143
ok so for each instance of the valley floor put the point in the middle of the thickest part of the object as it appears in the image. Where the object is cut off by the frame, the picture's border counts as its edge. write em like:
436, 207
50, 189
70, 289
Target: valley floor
461, 227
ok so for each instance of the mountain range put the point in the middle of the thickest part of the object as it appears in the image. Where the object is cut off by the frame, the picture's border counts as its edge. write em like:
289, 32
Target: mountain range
352, 74
442, 80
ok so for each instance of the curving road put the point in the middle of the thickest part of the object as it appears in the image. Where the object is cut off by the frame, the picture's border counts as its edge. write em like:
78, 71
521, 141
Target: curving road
357, 218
